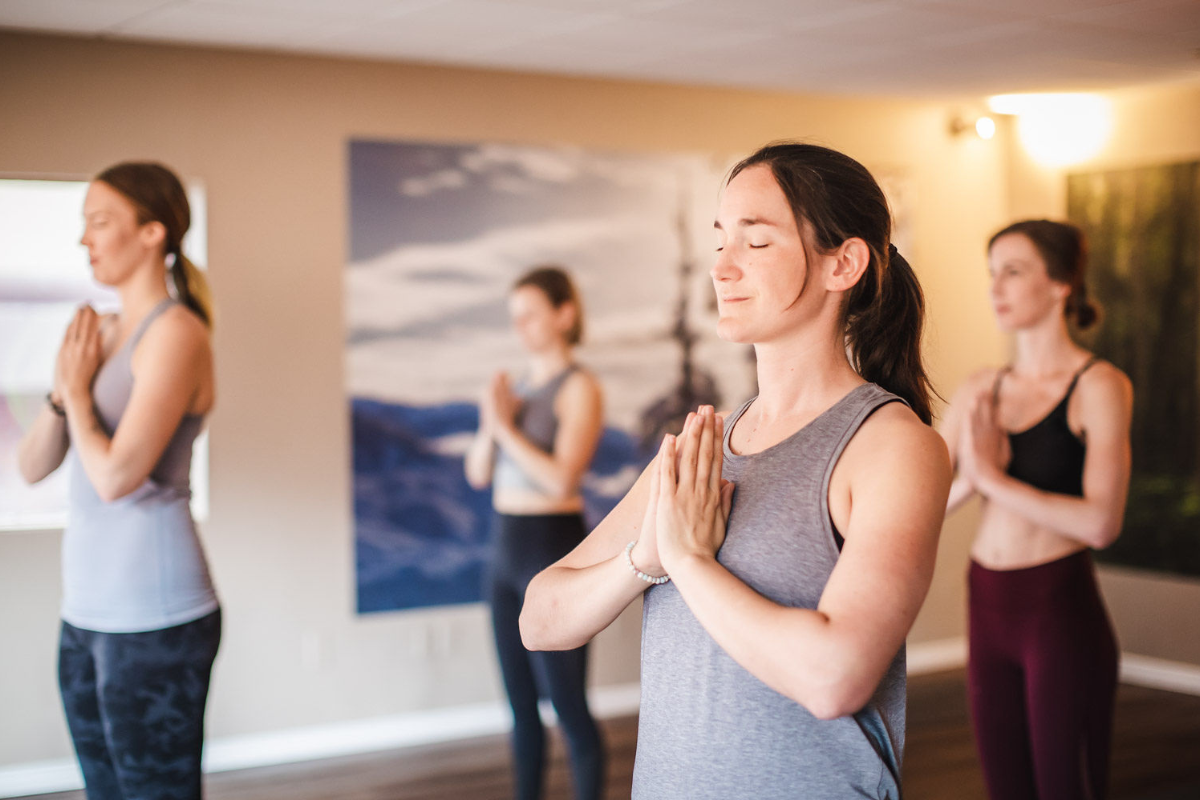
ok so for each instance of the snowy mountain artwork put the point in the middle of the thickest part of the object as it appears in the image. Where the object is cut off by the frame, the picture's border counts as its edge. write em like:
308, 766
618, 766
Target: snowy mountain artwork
438, 233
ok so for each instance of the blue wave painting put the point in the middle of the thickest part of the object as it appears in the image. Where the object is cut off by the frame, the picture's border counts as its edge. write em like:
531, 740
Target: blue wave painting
423, 534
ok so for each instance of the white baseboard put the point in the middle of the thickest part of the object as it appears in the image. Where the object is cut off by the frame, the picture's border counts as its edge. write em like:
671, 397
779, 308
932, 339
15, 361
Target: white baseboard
1136, 670
1158, 673
330, 740
483, 719
937, 656
40, 777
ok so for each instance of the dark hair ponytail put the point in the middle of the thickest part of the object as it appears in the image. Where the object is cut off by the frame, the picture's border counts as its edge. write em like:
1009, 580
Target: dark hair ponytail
835, 198
884, 317
1063, 248
158, 196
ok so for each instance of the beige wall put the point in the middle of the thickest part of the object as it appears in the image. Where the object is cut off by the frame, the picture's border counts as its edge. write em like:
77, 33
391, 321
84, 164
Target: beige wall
267, 135
1156, 615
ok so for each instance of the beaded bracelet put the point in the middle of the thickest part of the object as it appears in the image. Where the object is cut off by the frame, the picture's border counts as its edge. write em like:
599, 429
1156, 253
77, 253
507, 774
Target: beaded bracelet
647, 578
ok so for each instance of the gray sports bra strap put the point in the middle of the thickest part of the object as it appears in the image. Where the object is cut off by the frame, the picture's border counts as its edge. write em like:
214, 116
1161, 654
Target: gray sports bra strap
554, 385
154, 314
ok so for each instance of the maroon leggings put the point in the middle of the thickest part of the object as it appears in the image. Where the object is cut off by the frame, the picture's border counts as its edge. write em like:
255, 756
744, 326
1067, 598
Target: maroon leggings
1042, 677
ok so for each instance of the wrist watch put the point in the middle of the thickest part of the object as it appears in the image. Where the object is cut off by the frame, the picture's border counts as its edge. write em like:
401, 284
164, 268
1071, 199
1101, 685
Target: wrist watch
57, 408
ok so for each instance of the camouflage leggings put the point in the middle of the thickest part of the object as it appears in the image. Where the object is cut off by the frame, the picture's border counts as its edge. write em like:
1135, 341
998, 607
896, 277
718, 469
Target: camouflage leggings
135, 707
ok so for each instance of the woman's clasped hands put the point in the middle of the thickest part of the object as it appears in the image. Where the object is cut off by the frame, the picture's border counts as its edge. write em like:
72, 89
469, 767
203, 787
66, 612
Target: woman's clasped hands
689, 501
79, 356
985, 448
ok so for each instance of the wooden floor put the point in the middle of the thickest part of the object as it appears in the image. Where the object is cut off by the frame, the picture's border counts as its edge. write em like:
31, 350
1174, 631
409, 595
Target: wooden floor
1156, 756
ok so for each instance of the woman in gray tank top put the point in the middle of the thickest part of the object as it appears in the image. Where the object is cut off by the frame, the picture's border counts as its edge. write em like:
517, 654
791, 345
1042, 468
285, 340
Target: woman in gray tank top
783, 555
535, 443
141, 622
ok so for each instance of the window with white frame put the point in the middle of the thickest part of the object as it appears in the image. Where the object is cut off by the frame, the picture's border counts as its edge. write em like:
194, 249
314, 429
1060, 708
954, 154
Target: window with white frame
44, 276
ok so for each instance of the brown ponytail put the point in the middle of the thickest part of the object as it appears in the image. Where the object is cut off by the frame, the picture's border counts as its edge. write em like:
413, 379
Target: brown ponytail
835, 198
1063, 249
191, 287
158, 196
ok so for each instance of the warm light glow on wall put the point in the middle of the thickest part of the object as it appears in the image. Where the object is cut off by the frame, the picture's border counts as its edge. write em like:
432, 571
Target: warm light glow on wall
1058, 129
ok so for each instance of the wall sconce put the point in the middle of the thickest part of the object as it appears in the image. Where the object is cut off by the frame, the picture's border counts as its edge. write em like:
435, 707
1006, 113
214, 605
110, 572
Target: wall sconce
984, 126
1058, 130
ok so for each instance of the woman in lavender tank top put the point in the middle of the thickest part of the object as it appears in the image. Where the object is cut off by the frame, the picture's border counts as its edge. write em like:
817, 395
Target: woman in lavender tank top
782, 561
141, 622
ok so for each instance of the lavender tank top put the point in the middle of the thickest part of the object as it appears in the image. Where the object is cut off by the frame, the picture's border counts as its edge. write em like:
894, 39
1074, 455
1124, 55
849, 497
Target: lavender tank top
134, 564
707, 728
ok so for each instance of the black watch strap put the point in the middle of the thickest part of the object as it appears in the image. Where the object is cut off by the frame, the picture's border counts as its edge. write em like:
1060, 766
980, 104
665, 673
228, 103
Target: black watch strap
57, 408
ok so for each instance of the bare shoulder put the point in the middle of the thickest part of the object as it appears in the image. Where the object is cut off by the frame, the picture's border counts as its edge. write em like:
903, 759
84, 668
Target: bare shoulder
894, 436
177, 331
1104, 386
903, 465
581, 384
1105, 377
580, 396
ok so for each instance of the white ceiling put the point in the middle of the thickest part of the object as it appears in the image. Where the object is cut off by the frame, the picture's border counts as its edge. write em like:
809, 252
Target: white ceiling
902, 47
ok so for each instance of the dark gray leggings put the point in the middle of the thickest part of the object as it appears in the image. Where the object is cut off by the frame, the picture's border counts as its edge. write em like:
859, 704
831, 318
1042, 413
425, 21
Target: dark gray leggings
525, 545
135, 707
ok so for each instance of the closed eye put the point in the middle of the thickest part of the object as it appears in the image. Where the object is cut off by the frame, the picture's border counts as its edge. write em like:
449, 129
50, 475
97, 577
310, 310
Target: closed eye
758, 246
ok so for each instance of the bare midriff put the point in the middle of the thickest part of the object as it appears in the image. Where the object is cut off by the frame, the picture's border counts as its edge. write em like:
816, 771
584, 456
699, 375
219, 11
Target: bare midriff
1006, 540
524, 502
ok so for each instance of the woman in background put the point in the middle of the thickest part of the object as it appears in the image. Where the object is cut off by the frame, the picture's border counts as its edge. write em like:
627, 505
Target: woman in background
141, 622
534, 445
775, 612
1045, 443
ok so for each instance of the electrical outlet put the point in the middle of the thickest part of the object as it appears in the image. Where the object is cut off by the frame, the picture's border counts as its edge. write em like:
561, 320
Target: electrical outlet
312, 651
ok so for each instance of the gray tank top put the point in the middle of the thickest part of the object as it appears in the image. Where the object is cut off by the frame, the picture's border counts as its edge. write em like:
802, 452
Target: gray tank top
708, 729
134, 564
537, 420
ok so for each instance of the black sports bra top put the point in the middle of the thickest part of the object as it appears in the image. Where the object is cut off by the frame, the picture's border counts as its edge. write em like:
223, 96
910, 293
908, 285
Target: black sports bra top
1048, 455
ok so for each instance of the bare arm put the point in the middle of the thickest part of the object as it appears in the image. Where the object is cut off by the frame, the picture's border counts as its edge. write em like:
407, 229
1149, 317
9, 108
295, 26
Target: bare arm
167, 367
571, 601
961, 490
950, 427
1106, 409
481, 455
480, 460
580, 410
831, 659
43, 447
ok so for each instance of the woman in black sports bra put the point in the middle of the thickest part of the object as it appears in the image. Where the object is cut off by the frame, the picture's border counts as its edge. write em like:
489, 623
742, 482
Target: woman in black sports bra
1045, 443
